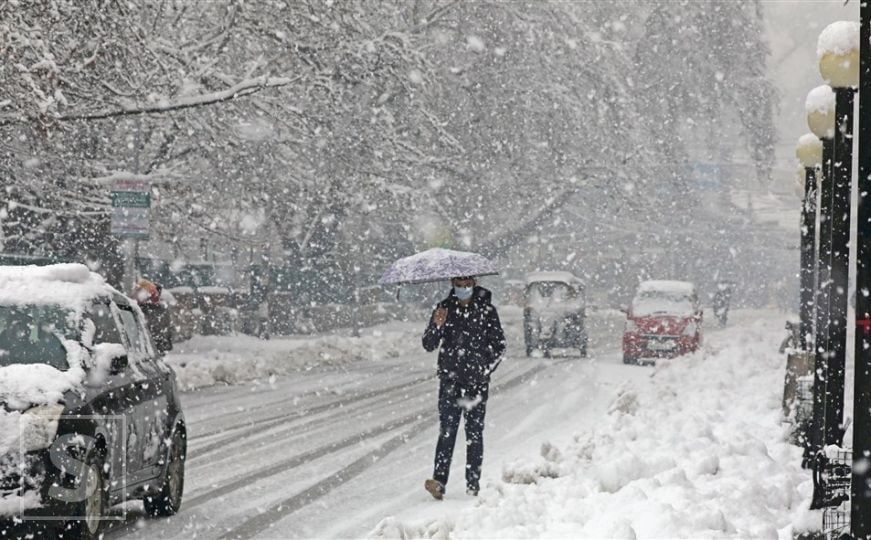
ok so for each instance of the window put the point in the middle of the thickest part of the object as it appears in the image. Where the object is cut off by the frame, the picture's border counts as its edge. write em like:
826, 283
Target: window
32, 335
131, 328
658, 302
106, 328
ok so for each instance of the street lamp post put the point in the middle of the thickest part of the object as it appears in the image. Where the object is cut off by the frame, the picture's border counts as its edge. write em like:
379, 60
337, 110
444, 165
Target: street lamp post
838, 52
820, 107
860, 493
809, 152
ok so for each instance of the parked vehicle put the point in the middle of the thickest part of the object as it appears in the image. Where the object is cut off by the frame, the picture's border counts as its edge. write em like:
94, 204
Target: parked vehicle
663, 321
90, 413
554, 315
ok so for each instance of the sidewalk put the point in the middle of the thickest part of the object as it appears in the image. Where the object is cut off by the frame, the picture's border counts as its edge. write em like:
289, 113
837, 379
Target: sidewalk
697, 450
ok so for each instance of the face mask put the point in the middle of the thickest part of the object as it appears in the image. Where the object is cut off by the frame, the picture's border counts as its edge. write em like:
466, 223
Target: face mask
463, 293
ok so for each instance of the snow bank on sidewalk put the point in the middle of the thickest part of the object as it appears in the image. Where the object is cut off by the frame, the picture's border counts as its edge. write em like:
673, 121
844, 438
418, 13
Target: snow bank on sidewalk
209, 360
698, 452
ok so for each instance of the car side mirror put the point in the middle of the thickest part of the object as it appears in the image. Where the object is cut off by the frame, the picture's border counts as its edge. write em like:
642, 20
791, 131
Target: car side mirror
119, 364
111, 357
624, 309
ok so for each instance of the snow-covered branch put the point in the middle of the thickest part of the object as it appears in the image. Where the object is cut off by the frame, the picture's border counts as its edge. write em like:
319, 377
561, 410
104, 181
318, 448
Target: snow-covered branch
241, 89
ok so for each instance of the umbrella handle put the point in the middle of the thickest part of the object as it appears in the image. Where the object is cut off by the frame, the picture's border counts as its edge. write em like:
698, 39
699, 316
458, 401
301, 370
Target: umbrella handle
399, 288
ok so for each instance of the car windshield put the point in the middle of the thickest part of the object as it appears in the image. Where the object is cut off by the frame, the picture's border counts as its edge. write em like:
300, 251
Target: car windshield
662, 303
32, 335
549, 293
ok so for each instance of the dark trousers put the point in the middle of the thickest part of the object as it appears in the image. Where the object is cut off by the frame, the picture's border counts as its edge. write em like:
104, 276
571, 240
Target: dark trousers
470, 401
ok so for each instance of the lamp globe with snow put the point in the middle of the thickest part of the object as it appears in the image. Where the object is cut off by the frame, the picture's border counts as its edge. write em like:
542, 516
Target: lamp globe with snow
838, 54
809, 152
820, 109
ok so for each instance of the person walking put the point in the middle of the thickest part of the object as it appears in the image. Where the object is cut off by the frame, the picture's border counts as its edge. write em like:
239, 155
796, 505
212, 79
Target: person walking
721, 301
466, 328
149, 296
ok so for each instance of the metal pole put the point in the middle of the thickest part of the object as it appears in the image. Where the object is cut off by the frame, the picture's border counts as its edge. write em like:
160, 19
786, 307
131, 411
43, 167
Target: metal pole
842, 172
821, 339
131, 250
358, 308
860, 505
808, 262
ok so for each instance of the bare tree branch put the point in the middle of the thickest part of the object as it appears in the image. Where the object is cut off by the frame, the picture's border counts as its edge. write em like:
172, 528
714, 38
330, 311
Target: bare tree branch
242, 89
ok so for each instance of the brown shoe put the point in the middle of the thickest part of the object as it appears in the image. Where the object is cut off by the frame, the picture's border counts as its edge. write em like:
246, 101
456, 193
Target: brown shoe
435, 488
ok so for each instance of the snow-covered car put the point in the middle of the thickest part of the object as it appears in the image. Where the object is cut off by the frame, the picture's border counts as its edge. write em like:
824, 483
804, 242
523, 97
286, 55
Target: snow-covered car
90, 413
663, 321
554, 315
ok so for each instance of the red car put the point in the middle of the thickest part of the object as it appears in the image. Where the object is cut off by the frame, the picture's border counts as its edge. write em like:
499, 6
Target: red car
663, 321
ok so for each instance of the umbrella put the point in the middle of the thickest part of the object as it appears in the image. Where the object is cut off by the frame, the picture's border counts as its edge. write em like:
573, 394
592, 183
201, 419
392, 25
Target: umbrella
437, 265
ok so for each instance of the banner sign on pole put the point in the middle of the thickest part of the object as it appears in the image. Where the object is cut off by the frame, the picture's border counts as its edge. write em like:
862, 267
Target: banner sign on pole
131, 208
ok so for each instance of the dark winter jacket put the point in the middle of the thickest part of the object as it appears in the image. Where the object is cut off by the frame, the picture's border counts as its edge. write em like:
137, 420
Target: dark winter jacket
471, 340
159, 323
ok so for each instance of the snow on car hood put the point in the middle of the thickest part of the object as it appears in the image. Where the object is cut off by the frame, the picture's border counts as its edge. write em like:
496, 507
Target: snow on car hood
23, 386
26, 385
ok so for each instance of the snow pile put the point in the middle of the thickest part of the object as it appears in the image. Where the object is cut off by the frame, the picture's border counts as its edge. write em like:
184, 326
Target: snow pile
838, 39
26, 385
209, 360
12, 504
821, 99
22, 387
699, 452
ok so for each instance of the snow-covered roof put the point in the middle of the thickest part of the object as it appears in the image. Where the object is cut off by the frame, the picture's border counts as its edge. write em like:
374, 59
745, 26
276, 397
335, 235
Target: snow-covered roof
838, 38
681, 287
559, 276
68, 285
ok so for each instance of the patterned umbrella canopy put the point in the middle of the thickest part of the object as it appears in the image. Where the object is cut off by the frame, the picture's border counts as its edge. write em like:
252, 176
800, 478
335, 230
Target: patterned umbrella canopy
437, 264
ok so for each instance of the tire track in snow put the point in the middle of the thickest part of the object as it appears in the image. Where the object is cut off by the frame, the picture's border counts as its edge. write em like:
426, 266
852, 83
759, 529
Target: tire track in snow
419, 423
248, 478
197, 454
280, 395
257, 426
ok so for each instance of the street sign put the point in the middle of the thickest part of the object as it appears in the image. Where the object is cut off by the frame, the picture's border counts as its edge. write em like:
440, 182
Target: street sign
131, 208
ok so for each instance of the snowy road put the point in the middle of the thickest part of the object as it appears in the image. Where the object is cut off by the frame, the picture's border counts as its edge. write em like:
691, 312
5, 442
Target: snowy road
330, 451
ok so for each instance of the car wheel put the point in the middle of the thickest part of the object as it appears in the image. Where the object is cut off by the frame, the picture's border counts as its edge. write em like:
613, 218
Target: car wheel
629, 360
528, 352
168, 501
94, 507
